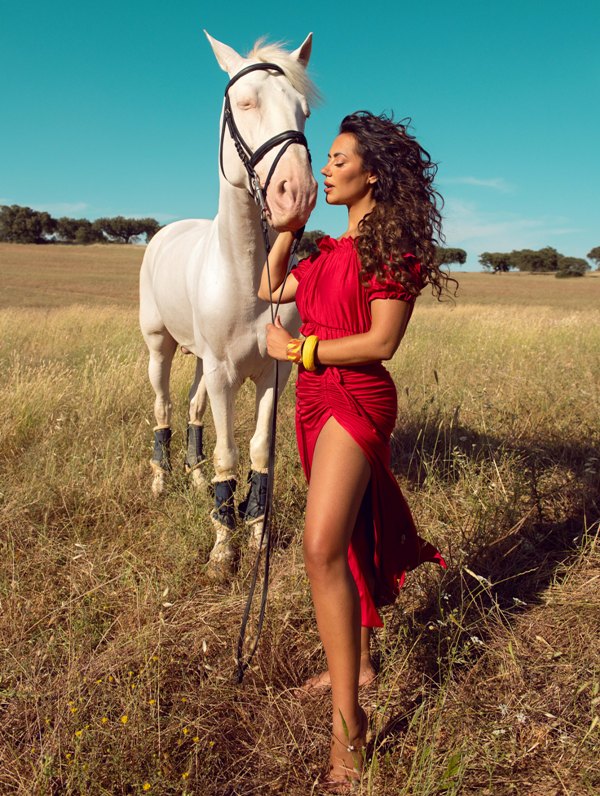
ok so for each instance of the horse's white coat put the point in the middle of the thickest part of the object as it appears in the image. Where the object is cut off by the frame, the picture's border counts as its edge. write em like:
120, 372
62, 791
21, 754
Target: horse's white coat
199, 278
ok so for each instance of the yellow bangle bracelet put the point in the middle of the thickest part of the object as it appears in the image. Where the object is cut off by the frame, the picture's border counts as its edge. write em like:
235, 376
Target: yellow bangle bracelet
308, 352
294, 350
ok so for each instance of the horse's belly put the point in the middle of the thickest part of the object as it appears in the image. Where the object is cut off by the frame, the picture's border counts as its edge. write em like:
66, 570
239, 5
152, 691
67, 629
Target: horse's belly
167, 276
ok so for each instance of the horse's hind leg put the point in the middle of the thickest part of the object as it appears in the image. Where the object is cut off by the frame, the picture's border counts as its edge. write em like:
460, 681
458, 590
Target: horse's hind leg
162, 347
194, 456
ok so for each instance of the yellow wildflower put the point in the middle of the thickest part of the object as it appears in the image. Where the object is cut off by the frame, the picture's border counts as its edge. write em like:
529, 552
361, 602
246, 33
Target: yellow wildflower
104, 720
78, 733
185, 730
196, 739
152, 701
185, 775
124, 719
146, 786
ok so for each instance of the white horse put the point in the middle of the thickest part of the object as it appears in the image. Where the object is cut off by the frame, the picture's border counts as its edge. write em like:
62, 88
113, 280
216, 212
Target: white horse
199, 280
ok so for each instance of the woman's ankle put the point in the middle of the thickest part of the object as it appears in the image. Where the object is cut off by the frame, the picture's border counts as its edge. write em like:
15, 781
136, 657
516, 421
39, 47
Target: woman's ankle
348, 727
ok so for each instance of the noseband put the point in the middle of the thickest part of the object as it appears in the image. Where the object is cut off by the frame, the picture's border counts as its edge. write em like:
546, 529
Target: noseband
249, 158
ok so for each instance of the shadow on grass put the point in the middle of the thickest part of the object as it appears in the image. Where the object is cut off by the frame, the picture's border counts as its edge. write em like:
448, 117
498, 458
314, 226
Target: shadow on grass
504, 570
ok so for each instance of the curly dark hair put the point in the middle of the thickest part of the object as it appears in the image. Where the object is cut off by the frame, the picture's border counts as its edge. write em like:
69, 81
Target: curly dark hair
406, 218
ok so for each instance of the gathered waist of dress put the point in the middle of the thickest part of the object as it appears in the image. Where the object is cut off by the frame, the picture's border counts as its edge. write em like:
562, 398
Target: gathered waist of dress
324, 332
348, 373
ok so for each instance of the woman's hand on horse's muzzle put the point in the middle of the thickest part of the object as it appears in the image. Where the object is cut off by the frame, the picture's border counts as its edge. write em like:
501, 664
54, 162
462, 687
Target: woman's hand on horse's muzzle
277, 340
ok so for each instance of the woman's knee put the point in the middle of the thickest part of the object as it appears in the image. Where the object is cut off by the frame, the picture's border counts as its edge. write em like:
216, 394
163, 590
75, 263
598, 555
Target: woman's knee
323, 557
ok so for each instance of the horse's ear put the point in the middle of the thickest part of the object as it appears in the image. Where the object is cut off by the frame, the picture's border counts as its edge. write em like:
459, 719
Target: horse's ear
302, 54
228, 59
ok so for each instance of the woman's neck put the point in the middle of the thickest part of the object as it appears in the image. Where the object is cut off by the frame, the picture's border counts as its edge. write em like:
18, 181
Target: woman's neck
356, 213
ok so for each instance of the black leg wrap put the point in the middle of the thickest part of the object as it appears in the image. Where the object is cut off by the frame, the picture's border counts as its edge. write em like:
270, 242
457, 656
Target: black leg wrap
254, 505
224, 511
162, 448
194, 454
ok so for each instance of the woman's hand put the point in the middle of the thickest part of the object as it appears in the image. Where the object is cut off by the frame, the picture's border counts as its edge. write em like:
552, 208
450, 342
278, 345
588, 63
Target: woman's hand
277, 340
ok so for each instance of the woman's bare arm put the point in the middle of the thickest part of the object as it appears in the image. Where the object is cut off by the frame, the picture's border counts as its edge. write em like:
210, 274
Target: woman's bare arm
389, 321
278, 262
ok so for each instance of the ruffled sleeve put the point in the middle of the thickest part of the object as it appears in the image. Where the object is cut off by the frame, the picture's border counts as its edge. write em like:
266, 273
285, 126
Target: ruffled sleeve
325, 245
300, 269
386, 287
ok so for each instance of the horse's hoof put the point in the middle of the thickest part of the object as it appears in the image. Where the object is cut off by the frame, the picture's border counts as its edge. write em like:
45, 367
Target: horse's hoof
199, 482
222, 557
159, 479
221, 561
255, 540
219, 571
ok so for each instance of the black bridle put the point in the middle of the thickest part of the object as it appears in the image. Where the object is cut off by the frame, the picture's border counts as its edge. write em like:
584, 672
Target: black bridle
251, 159
259, 193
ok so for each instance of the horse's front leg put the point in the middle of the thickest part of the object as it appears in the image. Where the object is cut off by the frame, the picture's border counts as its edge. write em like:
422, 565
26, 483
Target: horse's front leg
222, 398
252, 509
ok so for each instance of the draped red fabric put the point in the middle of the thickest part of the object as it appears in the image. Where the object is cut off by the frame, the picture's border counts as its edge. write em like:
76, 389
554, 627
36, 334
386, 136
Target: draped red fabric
333, 303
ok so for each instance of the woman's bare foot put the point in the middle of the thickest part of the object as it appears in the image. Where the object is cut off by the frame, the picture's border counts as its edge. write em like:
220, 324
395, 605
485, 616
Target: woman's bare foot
322, 682
346, 757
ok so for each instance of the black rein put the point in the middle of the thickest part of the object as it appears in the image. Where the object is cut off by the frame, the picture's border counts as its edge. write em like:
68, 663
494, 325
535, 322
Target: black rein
250, 160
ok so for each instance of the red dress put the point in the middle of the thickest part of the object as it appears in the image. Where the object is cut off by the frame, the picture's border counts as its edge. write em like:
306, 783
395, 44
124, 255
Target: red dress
333, 303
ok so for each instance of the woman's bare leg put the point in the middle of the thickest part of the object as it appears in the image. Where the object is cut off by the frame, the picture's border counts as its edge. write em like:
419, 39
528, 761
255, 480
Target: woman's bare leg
366, 674
339, 476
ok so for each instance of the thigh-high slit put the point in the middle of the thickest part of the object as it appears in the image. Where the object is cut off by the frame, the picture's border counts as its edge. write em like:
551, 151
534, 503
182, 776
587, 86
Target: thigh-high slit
385, 543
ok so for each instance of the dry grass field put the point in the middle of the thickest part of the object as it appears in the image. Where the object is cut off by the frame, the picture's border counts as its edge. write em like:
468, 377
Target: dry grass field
116, 651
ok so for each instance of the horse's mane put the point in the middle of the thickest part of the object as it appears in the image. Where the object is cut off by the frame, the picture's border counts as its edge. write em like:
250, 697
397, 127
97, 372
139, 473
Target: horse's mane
293, 69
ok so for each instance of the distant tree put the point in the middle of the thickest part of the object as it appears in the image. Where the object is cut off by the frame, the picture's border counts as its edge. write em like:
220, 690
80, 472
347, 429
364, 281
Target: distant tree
448, 256
572, 266
24, 225
122, 229
308, 243
77, 230
541, 261
496, 261
594, 255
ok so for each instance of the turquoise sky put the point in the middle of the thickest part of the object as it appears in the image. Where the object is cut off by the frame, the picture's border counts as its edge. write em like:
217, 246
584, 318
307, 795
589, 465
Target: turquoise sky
112, 108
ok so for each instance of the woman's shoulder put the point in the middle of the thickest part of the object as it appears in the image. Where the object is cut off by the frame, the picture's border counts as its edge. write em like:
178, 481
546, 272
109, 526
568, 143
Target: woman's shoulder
401, 280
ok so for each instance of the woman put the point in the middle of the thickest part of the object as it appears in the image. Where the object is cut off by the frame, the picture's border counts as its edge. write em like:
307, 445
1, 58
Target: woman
355, 298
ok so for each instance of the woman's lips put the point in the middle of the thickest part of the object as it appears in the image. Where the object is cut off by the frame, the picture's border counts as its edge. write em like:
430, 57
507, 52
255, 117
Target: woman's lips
328, 187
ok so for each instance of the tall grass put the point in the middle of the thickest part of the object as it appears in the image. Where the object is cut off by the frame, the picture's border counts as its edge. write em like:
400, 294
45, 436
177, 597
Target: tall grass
117, 650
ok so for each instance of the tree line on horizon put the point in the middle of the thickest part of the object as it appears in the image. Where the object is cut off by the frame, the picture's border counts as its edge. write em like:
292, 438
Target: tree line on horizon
19, 224
24, 225
444, 255
542, 261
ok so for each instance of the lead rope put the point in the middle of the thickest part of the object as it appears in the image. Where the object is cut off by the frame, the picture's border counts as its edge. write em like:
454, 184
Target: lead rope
265, 538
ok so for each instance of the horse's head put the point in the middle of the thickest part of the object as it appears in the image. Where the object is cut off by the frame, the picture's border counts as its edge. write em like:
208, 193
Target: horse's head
264, 103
